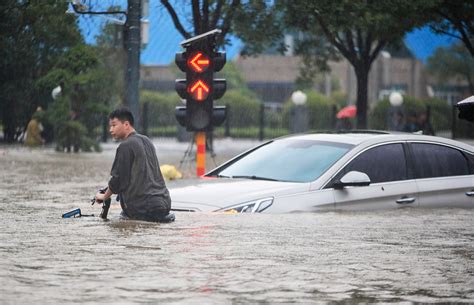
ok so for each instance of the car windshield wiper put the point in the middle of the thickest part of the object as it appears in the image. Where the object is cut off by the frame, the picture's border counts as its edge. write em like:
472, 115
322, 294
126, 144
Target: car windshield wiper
256, 178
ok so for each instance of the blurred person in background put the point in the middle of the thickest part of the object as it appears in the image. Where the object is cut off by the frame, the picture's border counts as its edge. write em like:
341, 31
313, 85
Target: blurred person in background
425, 125
34, 129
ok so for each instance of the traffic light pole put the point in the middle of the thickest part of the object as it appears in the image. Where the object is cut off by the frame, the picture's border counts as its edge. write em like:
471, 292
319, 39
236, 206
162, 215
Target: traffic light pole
132, 45
200, 153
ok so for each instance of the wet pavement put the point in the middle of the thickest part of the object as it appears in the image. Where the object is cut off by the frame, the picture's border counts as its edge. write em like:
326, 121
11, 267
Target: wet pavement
405, 255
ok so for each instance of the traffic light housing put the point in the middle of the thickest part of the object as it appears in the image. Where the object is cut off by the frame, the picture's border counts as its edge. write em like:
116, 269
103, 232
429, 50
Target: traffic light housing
200, 61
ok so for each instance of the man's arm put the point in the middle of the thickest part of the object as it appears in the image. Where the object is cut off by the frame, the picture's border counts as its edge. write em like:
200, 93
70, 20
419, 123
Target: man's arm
121, 170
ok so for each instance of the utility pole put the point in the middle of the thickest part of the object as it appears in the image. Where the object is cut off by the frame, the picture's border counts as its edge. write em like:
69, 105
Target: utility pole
132, 45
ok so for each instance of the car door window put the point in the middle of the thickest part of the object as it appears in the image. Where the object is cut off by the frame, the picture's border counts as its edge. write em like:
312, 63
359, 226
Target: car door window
432, 160
382, 164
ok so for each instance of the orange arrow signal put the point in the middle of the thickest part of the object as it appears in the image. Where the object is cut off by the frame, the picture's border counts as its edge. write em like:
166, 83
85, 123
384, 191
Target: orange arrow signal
199, 90
199, 62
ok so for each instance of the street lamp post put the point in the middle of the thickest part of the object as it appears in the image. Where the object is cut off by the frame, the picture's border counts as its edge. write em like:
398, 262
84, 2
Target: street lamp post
299, 115
395, 116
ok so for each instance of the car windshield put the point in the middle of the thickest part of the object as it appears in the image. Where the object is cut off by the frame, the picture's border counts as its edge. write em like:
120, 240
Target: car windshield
287, 160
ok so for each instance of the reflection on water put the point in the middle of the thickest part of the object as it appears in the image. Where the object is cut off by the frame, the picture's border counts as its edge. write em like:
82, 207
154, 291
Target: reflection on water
407, 255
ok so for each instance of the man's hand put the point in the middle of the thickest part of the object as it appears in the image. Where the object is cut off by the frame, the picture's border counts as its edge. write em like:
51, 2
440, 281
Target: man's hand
99, 197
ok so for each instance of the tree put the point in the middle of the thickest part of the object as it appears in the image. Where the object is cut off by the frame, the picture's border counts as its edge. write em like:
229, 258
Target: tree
456, 19
33, 35
114, 57
88, 88
252, 21
358, 29
454, 61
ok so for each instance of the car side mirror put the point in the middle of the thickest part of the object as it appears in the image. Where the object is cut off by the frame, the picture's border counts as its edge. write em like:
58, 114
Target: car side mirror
353, 178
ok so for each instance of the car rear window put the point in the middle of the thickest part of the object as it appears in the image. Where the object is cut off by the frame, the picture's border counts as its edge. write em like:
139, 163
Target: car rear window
432, 160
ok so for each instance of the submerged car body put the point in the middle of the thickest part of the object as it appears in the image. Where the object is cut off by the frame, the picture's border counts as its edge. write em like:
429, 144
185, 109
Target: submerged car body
311, 172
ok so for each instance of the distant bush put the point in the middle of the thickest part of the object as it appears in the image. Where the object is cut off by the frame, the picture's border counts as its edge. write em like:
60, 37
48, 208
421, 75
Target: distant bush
161, 107
320, 111
243, 108
251, 132
71, 136
440, 112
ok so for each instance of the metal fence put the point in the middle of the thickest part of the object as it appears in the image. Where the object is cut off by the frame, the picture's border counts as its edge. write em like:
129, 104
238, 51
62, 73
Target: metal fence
270, 120
267, 120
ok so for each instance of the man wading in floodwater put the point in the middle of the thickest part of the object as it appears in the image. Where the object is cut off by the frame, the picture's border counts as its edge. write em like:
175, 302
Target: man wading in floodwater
136, 174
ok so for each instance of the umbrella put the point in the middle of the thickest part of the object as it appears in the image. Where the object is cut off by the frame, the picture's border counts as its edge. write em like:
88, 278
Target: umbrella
347, 112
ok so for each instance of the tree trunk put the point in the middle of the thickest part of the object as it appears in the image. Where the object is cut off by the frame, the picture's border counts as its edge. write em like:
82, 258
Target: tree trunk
362, 74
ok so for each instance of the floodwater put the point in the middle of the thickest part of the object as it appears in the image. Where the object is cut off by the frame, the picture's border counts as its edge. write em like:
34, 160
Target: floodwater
405, 255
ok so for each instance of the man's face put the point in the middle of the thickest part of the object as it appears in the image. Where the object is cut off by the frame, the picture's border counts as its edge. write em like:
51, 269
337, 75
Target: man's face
118, 130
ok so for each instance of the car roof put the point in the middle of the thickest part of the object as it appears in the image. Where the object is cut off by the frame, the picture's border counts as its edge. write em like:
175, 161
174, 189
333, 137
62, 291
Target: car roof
373, 137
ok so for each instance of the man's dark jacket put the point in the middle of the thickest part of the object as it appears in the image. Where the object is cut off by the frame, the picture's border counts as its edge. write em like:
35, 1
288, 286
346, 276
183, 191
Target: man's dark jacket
136, 176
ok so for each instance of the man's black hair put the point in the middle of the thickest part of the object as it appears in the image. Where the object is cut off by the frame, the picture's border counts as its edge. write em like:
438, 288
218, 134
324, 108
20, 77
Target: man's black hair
122, 114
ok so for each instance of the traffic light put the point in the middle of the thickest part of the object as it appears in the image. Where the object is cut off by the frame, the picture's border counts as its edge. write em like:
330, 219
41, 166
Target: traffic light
200, 60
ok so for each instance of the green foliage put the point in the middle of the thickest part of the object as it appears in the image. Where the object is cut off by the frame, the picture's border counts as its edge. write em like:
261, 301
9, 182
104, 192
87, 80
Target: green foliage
378, 115
234, 78
452, 62
87, 90
258, 24
166, 131
243, 109
33, 35
252, 132
114, 57
71, 136
454, 18
161, 107
320, 111
340, 98
440, 112
358, 30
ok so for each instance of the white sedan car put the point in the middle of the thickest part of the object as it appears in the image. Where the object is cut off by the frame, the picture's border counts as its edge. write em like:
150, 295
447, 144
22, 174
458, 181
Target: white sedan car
312, 172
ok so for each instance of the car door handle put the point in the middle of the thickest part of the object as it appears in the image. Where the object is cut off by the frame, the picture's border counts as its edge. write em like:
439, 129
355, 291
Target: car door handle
470, 194
405, 200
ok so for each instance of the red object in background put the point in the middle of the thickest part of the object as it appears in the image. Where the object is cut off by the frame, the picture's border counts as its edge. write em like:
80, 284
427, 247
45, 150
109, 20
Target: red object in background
347, 112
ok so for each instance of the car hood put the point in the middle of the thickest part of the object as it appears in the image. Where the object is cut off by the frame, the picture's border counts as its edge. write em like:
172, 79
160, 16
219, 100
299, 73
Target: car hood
211, 194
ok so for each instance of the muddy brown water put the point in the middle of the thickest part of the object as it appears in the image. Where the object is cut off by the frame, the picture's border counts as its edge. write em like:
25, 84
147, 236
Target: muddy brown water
406, 255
